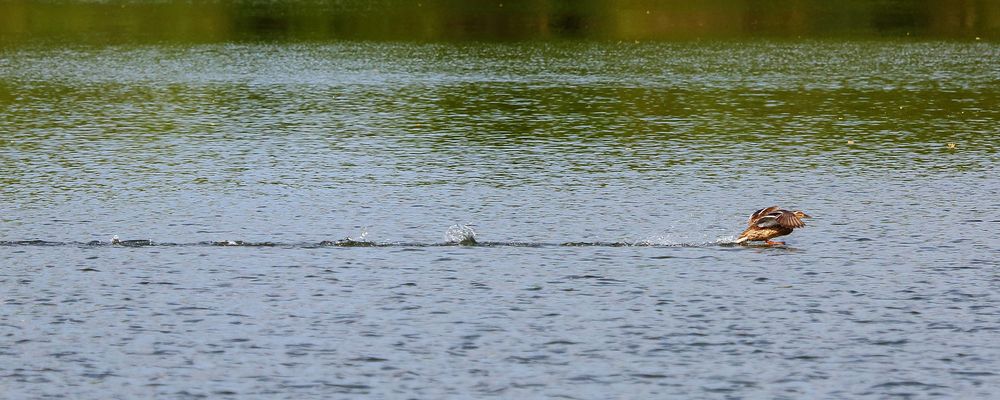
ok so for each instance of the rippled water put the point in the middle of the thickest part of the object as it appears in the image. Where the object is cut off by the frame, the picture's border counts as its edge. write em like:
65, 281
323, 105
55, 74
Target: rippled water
603, 181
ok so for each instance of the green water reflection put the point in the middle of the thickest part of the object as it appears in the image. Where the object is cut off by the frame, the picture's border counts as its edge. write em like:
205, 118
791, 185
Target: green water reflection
182, 21
657, 103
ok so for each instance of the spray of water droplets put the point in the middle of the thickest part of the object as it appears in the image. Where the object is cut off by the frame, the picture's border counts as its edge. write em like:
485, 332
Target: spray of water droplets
461, 234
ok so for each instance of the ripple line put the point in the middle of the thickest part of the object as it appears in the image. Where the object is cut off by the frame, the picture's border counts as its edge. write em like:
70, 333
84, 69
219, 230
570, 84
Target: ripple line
343, 243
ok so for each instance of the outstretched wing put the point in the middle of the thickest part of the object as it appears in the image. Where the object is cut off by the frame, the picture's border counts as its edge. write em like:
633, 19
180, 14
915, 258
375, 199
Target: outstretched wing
761, 213
782, 218
788, 219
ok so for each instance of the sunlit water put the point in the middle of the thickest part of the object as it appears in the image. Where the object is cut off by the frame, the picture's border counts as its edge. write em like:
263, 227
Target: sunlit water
294, 220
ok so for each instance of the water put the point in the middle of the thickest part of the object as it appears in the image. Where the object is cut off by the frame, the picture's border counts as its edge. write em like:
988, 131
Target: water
603, 182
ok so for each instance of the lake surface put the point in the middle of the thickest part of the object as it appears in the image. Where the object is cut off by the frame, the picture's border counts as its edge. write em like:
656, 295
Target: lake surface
604, 181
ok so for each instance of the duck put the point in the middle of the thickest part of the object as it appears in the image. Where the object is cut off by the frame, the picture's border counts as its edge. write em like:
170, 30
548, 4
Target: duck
768, 223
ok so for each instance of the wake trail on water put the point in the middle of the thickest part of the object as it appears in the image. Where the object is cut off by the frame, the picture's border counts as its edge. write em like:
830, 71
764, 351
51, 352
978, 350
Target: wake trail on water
458, 241
455, 235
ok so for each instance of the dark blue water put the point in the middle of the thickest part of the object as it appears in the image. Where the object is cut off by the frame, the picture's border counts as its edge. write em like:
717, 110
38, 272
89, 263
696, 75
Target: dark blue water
604, 183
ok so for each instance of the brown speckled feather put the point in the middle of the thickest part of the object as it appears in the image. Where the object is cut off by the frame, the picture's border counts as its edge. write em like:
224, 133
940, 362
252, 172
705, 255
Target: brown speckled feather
788, 219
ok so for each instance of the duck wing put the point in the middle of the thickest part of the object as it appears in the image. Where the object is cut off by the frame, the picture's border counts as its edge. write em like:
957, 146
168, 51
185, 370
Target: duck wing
761, 213
788, 219
782, 218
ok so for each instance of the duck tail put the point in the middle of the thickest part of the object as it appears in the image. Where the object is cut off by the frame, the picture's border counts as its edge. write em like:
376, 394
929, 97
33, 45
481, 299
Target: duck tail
743, 237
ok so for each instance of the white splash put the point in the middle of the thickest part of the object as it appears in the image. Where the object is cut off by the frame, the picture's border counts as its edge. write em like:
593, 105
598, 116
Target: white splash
115, 240
659, 240
695, 240
362, 236
461, 234
725, 239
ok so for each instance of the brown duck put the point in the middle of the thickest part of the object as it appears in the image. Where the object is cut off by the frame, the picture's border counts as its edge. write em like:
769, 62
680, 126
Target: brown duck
769, 223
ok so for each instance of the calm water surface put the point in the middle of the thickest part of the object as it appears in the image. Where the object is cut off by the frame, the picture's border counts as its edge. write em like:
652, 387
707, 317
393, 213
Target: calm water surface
647, 157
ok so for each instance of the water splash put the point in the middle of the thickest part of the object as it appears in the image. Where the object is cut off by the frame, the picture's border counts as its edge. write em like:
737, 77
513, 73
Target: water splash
241, 243
730, 239
116, 241
360, 241
348, 243
696, 239
660, 240
460, 234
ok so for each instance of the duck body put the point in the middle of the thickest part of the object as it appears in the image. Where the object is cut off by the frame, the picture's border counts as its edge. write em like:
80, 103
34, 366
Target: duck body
762, 234
771, 222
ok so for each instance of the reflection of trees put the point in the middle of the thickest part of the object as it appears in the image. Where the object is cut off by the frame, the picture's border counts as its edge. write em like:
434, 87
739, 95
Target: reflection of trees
964, 17
510, 20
